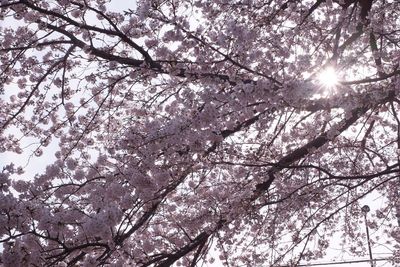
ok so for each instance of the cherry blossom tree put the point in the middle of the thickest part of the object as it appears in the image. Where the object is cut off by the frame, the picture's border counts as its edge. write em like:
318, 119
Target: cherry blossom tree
191, 130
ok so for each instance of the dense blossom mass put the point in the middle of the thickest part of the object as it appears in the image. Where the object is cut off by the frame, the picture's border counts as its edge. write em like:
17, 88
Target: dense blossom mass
197, 131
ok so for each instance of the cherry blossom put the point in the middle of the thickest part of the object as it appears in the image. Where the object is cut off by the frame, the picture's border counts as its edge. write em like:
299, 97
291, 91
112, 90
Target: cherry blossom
192, 132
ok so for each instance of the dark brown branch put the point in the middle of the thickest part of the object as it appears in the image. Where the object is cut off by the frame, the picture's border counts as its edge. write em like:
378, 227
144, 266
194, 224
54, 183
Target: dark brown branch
375, 54
371, 80
315, 144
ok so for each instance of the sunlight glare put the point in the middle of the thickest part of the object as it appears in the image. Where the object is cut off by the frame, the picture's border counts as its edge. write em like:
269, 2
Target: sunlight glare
328, 78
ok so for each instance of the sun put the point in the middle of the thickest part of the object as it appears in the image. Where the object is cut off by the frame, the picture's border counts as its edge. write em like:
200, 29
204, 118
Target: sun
328, 78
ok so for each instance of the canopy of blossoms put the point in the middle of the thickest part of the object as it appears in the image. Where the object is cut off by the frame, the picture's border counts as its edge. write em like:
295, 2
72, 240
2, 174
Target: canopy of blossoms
191, 130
